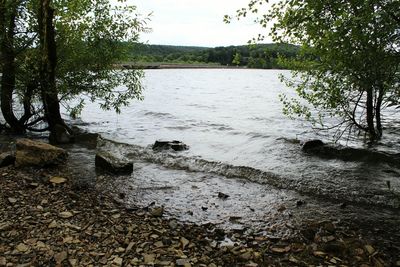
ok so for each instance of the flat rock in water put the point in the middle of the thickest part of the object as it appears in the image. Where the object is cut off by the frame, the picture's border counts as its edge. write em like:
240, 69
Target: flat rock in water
109, 163
168, 145
39, 154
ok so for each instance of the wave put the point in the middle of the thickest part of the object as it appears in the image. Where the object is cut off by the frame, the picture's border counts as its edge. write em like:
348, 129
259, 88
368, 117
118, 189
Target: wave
159, 114
184, 162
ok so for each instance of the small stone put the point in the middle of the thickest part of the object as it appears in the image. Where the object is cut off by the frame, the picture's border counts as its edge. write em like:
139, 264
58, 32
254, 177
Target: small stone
163, 263
21, 247
173, 224
398, 263
65, 214
57, 180
159, 244
130, 246
3, 261
117, 261
183, 262
157, 212
319, 253
116, 216
149, 258
60, 257
369, 249
53, 224
280, 250
281, 208
222, 195
184, 242
248, 255
12, 200
119, 250
73, 262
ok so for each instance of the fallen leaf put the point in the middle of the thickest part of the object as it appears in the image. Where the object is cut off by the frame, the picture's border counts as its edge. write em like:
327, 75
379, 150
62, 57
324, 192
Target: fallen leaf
65, 214
57, 180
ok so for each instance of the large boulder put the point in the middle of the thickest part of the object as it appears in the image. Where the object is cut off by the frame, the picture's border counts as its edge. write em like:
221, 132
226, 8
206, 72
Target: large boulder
39, 154
107, 162
6, 159
168, 145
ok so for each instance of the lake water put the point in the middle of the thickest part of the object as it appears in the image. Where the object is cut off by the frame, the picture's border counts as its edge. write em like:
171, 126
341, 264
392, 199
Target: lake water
234, 118
240, 145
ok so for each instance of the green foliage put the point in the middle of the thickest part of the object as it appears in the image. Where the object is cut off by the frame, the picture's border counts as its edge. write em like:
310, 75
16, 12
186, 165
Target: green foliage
348, 65
90, 38
255, 56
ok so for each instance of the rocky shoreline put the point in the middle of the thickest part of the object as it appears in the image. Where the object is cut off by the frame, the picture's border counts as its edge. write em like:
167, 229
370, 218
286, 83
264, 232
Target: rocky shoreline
48, 219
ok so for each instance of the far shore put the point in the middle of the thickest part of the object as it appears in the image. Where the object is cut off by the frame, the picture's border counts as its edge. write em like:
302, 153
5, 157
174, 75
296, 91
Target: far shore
175, 66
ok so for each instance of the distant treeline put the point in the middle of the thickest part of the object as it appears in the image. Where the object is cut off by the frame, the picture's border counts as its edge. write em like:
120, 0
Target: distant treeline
251, 56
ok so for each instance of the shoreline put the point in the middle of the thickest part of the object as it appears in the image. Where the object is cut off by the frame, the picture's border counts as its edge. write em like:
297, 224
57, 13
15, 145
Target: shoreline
43, 223
160, 66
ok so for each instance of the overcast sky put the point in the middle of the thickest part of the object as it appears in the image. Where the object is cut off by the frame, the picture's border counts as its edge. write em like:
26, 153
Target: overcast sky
195, 22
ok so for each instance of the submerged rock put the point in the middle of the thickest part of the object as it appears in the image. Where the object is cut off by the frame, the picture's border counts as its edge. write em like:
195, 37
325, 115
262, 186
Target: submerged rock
36, 153
318, 148
108, 162
166, 145
312, 144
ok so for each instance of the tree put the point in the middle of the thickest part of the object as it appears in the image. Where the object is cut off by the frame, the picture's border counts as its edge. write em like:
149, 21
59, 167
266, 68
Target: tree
8, 14
349, 63
58, 52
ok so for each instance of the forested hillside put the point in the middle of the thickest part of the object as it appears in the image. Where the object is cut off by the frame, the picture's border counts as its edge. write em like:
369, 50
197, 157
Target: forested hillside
252, 56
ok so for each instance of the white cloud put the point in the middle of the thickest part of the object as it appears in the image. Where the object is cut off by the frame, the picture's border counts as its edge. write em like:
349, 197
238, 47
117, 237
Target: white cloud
195, 22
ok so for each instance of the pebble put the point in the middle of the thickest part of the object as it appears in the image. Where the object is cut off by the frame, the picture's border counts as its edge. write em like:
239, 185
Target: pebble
12, 200
117, 261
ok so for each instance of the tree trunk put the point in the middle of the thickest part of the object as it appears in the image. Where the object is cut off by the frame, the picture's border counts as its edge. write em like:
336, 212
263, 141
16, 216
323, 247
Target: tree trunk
370, 114
58, 129
8, 65
378, 112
